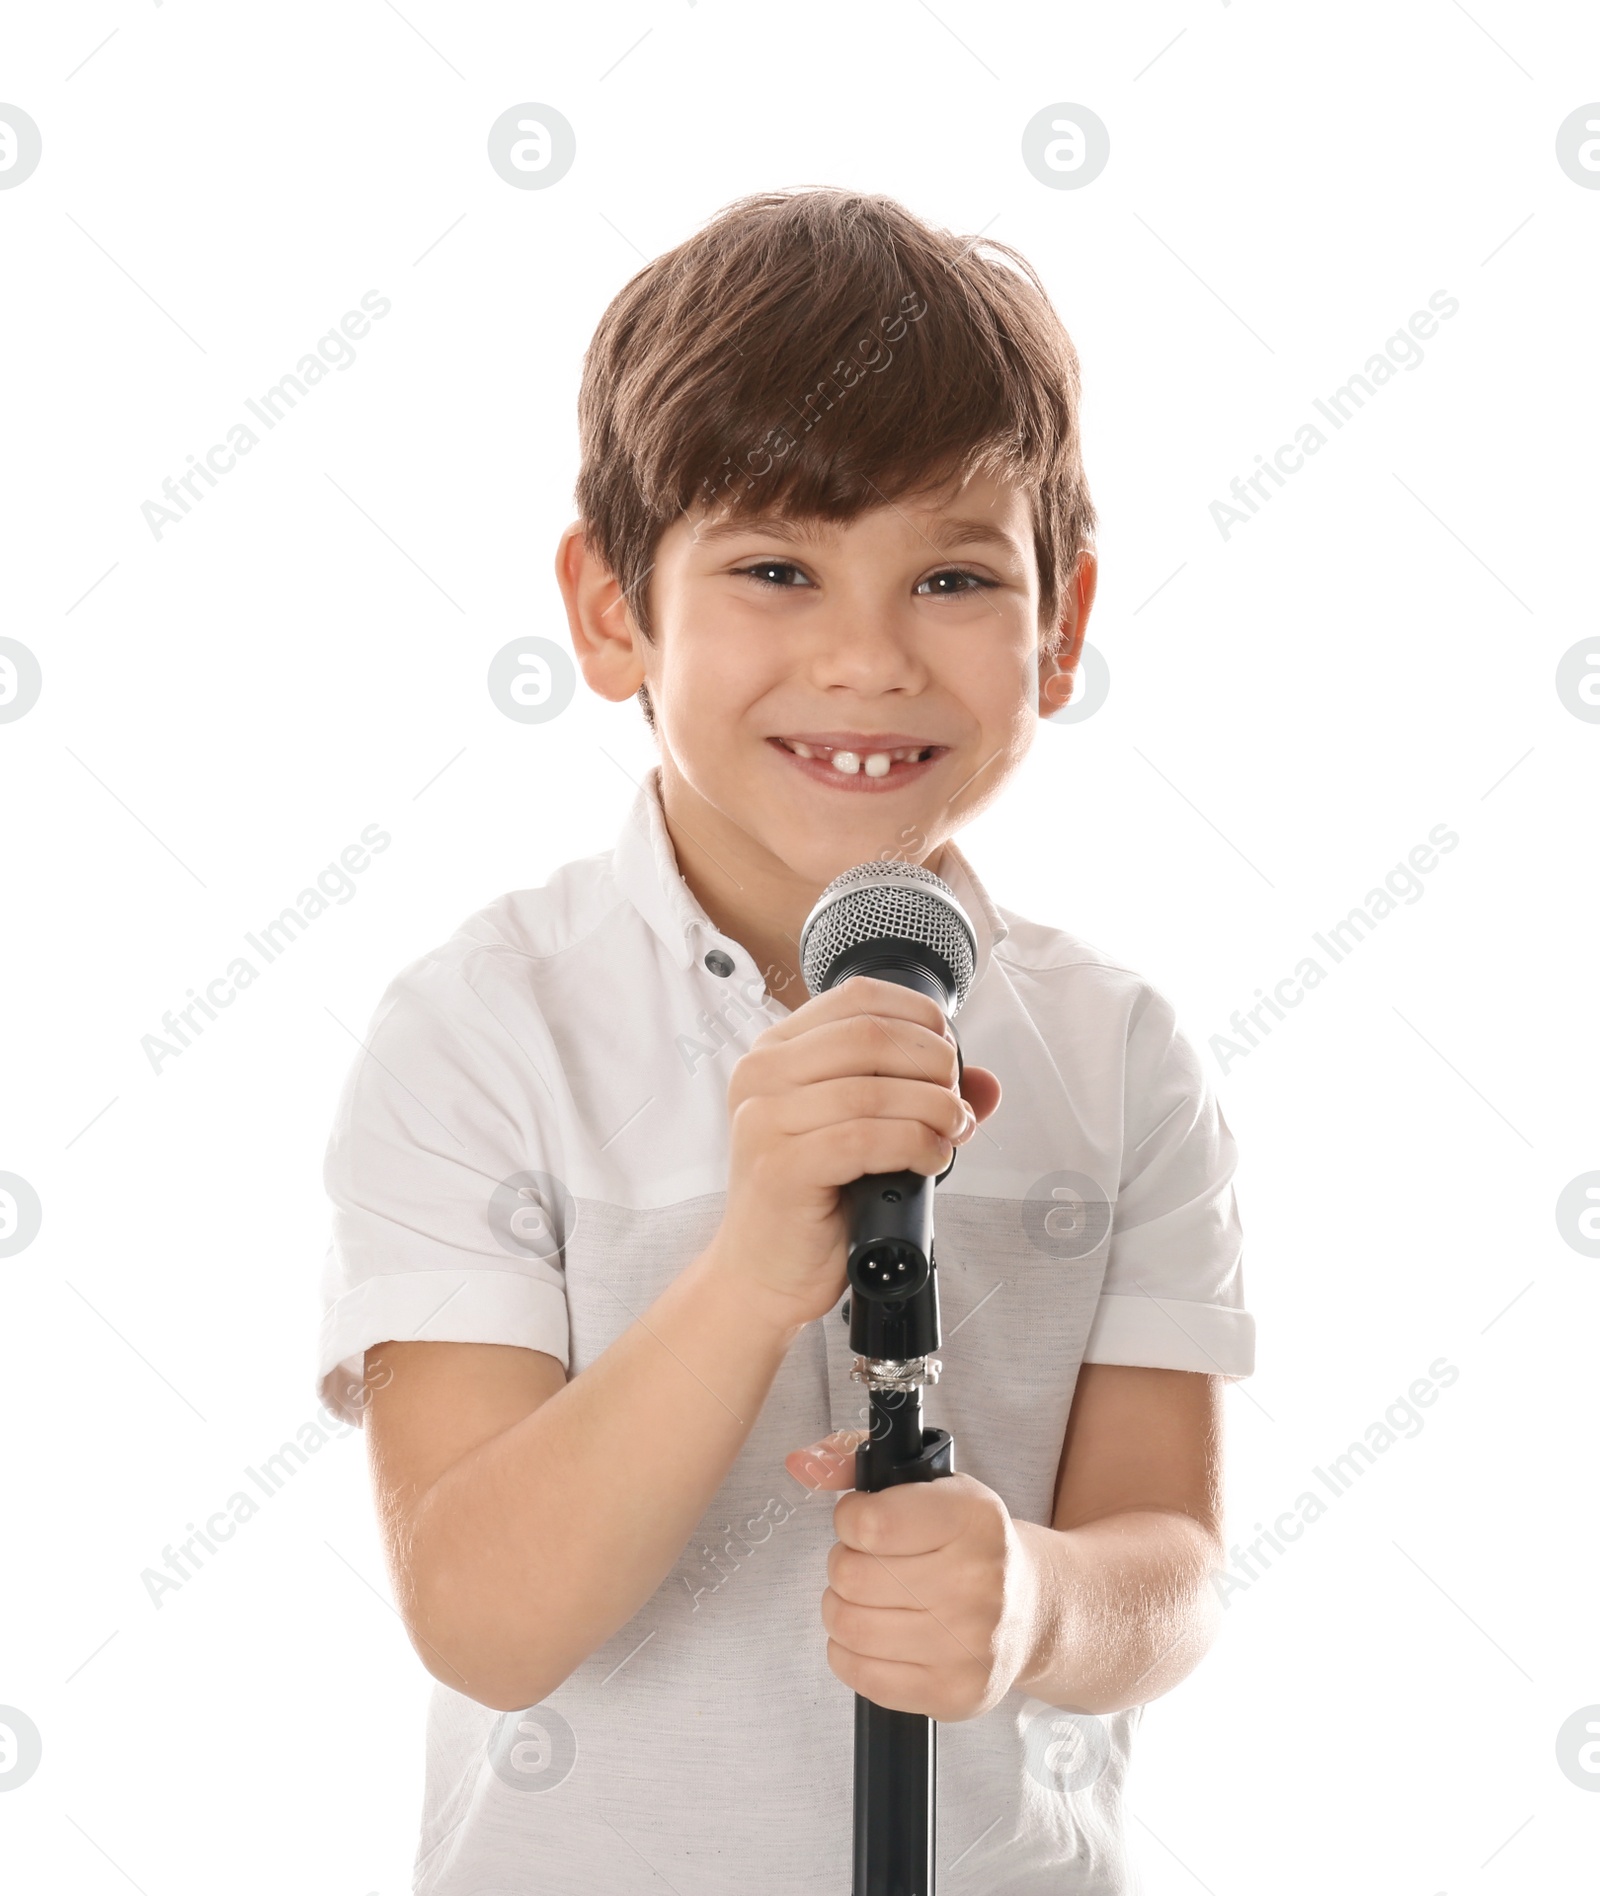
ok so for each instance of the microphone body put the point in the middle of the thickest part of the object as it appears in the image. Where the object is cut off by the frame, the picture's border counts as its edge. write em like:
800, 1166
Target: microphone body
895, 922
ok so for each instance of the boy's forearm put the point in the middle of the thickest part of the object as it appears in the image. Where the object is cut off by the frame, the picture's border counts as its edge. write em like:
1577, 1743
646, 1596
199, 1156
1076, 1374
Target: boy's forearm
530, 1552
1126, 1608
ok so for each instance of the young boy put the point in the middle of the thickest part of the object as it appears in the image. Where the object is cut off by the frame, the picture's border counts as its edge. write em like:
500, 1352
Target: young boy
588, 1259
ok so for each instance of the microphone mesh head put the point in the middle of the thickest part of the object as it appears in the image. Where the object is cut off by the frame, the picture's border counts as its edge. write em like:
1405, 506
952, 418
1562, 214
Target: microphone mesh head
879, 899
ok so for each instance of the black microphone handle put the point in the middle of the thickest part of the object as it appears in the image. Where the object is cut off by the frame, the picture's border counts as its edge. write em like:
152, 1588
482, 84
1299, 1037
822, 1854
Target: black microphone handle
889, 1215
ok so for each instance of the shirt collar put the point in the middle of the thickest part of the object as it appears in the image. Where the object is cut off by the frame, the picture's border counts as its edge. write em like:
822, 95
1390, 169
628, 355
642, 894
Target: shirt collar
646, 869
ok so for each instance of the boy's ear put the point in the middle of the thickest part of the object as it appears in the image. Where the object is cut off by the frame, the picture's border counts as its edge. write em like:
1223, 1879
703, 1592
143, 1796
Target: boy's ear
605, 639
1056, 675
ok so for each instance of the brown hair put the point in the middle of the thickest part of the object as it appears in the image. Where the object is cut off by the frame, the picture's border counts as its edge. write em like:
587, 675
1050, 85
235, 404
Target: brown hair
819, 353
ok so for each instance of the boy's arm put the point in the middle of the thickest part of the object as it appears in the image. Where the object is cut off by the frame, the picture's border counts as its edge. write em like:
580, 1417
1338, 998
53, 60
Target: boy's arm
526, 1518
1125, 1607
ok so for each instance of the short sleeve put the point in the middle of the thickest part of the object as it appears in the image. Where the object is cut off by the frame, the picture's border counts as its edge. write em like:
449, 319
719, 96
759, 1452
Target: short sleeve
447, 1223
1173, 1292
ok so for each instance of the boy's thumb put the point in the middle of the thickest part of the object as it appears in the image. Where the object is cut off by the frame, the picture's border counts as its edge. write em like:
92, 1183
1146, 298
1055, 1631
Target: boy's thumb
830, 1463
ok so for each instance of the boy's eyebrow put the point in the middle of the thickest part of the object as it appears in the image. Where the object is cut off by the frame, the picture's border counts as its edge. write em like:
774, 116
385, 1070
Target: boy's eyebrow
944, 532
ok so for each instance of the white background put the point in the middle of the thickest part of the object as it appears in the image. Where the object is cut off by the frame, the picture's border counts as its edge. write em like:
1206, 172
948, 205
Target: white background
1292, 709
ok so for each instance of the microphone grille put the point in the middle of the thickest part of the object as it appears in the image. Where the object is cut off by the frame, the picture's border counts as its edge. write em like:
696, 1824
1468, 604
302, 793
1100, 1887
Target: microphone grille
875, 900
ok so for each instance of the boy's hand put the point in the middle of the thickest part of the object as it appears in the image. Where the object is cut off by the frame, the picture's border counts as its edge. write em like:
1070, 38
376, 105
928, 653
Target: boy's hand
860, 1079
933, 1598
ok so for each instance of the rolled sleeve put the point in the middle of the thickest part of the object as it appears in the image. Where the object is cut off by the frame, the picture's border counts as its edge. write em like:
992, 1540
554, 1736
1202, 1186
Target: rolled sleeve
435, 1133
1173, 1292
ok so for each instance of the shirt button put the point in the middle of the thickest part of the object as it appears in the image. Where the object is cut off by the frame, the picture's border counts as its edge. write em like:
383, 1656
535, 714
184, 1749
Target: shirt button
719, 963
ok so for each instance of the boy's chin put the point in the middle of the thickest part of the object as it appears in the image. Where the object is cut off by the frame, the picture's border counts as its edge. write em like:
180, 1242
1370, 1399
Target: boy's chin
816, 849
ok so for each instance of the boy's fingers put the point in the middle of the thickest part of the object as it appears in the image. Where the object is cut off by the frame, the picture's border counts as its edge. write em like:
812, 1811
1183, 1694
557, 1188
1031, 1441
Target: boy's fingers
861, 994
827, 1104
829, 1464
834, 1049
981, 1090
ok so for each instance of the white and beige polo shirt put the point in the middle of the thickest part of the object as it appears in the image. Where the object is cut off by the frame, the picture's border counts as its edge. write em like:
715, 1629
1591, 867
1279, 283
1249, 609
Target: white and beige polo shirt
534, 1143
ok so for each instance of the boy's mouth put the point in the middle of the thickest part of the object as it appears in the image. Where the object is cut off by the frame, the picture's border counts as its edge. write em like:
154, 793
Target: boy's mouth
859, 764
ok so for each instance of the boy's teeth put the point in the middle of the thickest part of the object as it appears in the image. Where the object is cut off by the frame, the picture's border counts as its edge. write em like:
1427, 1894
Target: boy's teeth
875, 763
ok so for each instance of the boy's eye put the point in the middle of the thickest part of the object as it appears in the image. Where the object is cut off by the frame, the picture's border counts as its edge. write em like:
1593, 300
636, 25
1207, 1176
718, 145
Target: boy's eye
957, 572
759, 572
762, 568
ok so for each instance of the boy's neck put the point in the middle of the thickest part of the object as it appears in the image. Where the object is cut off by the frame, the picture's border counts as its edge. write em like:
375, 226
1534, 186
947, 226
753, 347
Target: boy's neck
750, 895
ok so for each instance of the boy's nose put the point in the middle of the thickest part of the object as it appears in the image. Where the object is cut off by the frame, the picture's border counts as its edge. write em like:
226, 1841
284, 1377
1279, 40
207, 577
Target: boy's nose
867, 650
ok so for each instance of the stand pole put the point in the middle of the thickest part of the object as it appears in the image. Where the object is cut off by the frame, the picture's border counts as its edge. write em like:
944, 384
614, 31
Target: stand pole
896, 1757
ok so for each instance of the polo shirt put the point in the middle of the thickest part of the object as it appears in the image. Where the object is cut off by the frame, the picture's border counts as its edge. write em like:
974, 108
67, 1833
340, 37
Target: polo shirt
534, 1143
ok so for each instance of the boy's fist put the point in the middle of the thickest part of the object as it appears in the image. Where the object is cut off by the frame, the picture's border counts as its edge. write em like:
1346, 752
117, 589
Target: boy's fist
934, 1597
860, 1079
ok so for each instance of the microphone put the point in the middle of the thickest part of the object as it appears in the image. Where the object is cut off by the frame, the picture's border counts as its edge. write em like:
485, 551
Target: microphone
896, 922
900, 923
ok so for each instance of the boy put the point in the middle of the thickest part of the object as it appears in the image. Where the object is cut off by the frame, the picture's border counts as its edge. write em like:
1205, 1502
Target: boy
588, 1258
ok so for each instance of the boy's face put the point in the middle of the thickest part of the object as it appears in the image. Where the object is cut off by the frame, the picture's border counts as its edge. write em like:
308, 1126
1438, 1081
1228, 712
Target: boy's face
901, 649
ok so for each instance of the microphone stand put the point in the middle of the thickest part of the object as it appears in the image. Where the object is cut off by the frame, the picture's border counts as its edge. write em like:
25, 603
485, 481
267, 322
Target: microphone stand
894, 1329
